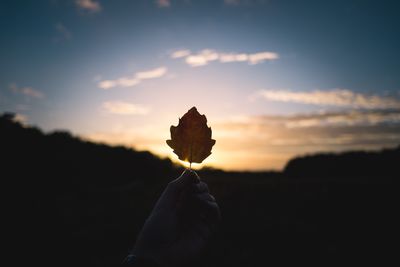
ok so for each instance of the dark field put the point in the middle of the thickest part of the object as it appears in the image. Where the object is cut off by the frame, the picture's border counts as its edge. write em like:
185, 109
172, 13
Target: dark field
75, 203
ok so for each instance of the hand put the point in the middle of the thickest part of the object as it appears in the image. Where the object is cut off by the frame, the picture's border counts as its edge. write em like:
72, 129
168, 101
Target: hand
180, 224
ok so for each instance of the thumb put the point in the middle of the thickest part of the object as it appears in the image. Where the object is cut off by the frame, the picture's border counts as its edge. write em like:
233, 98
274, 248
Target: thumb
175, 188
173, 192
187, 178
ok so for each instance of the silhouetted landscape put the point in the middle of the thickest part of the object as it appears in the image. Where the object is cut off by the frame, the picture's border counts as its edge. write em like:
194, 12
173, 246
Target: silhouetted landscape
71, 202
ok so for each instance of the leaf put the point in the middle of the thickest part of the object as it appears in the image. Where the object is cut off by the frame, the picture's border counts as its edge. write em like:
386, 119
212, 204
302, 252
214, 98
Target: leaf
191, 139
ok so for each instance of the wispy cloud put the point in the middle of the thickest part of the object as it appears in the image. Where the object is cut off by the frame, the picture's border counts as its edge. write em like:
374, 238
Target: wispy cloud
21, 118
336, 119
92, 6
206, 56
27, 91
63, 34
151, 74
135, 79
202, 58
335, 97
269, 141
163, 3
314, 121
180, 53
125, 108
250, 58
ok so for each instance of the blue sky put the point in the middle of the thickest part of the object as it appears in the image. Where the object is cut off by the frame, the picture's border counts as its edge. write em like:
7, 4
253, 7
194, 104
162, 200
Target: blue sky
275, 78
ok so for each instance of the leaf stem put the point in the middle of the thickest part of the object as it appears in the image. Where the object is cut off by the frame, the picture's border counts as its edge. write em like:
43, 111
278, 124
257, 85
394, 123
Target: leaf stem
191, 154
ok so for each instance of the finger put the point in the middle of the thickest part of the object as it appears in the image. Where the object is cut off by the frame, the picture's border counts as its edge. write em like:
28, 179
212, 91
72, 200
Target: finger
204, 196
178, 190
202, 230
173, 193
204, 206
195, 173
213, 213
209, 218
200, 187
187, 178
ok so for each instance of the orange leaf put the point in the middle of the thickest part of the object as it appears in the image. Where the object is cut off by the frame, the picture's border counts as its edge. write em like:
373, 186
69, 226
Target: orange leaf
191, 139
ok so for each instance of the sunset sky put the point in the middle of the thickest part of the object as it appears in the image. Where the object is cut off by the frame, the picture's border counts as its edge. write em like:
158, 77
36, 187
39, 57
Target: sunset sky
275, 78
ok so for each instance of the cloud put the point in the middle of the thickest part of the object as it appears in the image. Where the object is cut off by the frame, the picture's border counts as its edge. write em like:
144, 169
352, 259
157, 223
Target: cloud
135, 79
21, 118
163, 3
201, 58
337, 119
125, 108
334, 97
107, 84
206, 56
340, 119
63, 34
226, 58
27, 91
269, 141
151, 74
180, 53
252, 59
89, 5
261, 57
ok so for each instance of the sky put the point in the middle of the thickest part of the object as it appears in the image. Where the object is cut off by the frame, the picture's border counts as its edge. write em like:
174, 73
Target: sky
276, 79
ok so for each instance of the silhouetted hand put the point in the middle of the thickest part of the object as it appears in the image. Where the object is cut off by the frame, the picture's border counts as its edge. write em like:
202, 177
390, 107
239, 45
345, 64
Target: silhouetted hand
180, 224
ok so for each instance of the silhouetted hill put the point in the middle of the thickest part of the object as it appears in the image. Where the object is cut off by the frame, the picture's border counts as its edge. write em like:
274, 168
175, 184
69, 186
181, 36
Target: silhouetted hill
380, 166
64, 193
76, 159
103, 165
75, 203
